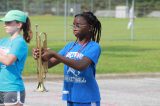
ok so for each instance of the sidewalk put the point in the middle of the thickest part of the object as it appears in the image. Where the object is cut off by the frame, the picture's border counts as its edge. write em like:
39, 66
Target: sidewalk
51, 77
114, 92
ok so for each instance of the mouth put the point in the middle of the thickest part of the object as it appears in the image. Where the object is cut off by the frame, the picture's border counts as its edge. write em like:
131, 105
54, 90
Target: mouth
75, 31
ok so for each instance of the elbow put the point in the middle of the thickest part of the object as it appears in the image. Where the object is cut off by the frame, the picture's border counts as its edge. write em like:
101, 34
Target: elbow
7, 63
7, 59
81, 65
81, 68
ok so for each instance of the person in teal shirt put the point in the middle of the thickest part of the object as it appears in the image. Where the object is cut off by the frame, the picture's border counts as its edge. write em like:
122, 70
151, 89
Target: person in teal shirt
13, 54
80, 58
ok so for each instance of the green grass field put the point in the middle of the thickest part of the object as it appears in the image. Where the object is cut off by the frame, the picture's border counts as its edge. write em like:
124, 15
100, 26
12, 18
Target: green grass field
120, 54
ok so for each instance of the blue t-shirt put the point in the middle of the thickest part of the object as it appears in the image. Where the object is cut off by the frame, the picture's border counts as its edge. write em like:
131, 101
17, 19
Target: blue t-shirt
10, 76
81, 86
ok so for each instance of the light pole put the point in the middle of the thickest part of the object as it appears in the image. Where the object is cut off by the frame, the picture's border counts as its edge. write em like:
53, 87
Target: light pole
91, 5
65, 20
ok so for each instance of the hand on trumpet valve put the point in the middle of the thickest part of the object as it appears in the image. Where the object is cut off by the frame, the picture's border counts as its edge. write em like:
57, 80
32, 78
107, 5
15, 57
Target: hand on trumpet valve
47, 54
35, 53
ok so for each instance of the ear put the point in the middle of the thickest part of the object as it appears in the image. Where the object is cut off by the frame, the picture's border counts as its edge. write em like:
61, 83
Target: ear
19, 25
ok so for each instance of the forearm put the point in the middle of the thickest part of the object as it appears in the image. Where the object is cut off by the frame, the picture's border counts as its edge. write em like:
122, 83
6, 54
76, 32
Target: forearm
54, 58
53, 62
7, 59
76, 64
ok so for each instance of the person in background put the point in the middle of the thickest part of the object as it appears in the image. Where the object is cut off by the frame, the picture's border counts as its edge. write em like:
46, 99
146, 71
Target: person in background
80, 59
13, 54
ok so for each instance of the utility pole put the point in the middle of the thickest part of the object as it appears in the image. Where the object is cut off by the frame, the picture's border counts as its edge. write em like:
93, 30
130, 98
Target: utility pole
65, 20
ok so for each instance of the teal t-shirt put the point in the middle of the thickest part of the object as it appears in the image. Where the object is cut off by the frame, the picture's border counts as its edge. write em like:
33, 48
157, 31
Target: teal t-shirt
10, 76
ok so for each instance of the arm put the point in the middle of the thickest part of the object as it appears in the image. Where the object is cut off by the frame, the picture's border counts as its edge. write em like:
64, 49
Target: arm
76, 64
7, 59
17, 51
53, 62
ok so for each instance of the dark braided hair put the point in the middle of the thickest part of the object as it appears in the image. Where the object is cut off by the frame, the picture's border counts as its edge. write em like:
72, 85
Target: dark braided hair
95, 25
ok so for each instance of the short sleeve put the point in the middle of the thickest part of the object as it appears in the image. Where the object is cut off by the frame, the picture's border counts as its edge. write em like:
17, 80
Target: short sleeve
19, 49
93, 53
64, 51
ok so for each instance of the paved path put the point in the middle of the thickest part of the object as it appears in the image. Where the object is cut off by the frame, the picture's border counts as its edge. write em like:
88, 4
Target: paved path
114, 92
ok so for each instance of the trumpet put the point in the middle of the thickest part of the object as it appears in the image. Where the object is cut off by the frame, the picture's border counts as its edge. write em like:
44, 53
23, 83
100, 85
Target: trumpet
42, 67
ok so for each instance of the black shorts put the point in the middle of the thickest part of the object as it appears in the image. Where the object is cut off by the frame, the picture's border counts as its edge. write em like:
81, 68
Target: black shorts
11, 98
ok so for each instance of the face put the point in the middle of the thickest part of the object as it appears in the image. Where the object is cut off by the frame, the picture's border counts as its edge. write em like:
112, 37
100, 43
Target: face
12, 27
80, 28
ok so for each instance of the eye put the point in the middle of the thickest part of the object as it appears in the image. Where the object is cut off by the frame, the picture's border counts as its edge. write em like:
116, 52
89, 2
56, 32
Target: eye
78, 26
9, 22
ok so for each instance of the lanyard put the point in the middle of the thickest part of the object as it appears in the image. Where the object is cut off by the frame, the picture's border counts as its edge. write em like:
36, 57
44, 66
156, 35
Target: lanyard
83, 46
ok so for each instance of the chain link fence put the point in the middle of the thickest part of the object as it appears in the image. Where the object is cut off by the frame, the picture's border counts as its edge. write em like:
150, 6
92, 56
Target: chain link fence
57, 7
102, 8
112, 28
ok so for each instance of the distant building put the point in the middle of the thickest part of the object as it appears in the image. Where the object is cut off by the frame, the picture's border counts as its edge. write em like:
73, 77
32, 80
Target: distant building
155, 14
121, 12
105, 13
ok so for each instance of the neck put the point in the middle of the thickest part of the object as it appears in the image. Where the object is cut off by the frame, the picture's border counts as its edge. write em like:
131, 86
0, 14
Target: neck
82, 41
13, 36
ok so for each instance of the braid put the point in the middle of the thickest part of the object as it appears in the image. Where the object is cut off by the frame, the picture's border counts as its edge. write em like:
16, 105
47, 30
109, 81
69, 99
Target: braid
96, 25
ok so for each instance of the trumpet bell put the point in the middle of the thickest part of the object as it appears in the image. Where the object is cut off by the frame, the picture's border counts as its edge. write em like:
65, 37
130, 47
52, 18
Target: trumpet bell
41, 87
